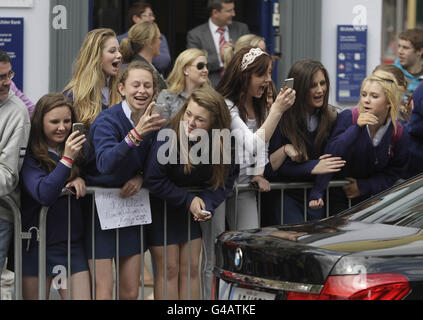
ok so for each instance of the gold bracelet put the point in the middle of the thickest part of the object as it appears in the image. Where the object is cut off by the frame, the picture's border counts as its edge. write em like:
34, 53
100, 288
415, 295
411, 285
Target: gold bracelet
134, 139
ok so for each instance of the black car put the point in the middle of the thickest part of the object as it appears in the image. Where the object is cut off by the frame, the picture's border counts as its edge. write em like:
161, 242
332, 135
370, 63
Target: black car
373, 251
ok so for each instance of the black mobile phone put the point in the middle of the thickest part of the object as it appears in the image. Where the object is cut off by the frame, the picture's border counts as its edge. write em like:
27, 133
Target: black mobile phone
78, 127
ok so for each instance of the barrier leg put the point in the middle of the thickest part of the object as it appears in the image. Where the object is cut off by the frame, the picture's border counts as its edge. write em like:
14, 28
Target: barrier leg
42, 245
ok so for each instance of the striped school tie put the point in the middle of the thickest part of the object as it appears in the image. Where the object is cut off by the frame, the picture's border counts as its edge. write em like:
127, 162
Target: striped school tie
222, 40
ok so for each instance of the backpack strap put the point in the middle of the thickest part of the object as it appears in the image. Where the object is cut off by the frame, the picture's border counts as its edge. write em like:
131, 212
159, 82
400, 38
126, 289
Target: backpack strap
396, 137
355, 114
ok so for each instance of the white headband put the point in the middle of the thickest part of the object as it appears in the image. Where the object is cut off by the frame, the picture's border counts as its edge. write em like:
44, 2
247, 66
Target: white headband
250, 57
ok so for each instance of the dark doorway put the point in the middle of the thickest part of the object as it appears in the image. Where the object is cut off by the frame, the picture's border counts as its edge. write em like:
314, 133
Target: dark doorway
174, 18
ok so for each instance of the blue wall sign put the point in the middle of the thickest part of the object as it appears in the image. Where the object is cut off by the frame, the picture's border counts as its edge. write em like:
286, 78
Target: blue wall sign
12, 42
351, 62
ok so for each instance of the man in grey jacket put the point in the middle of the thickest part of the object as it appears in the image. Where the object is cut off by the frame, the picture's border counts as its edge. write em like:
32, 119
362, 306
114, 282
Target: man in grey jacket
219, 32
14, 134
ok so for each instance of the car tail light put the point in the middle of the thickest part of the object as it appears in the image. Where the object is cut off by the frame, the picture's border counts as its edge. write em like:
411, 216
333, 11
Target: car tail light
359, 287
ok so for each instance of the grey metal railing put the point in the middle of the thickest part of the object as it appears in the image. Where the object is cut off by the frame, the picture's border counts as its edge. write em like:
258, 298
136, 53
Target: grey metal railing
18, 236
41, 237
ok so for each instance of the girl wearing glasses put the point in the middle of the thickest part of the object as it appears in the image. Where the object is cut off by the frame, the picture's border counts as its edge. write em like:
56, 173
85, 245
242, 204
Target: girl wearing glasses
143, 44
189, 73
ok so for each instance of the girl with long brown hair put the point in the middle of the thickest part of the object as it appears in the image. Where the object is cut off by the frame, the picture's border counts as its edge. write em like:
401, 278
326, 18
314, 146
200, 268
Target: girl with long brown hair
244, 86
297, 146
50, 166
171, 167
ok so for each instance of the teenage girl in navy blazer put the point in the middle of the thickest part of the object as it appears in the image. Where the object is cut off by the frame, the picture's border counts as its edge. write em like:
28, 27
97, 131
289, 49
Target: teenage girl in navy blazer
51, 165
205, 110
121, 142
371, 140
297, 146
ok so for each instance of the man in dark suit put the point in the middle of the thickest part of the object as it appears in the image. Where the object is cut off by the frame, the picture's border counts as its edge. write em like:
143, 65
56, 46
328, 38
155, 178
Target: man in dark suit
219, 32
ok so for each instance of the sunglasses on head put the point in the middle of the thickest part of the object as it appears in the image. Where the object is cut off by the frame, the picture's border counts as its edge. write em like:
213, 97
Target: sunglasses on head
201, 65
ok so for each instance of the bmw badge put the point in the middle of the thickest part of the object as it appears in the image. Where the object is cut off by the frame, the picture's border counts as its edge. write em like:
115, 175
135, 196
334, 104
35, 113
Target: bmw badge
238, 259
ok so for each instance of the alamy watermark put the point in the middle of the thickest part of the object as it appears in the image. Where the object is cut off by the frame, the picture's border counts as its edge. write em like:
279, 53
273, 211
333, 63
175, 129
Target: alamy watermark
222, 146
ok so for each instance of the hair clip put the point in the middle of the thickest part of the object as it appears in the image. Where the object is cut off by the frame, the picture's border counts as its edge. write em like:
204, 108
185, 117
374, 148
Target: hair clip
250, 57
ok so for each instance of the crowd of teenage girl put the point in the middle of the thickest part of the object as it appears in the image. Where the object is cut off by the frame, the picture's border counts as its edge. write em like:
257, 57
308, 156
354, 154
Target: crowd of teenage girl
113, 91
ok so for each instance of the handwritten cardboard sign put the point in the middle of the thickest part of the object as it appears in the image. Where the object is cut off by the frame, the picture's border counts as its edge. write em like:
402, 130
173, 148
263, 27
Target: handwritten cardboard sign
115, 212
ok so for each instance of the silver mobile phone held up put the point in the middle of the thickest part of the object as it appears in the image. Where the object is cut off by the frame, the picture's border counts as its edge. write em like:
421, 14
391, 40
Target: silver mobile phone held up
159, 109
78, 127
289, 83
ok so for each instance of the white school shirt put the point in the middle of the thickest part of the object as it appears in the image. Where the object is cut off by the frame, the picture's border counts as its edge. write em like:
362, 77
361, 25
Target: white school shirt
216, 38
379, 134
251, 145
127, 112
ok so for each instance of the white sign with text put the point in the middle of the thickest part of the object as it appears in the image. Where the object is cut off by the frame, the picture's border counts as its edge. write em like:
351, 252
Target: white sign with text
115, 212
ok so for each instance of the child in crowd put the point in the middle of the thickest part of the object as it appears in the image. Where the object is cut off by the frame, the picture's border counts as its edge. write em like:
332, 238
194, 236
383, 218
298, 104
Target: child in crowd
371, 140
120, 141
52, 163
204, 111
189, 73
244, 86
297, 146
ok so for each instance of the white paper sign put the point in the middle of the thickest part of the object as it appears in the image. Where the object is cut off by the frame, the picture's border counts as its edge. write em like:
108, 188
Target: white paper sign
115, 212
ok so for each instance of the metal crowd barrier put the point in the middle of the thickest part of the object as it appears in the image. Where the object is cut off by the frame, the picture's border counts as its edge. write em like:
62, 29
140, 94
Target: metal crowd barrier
41, 237
291, 186
17, 245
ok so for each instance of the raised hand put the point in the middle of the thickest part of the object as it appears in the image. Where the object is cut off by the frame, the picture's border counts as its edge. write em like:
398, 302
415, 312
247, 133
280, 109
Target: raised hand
73, 145
284, 100
148, 122
367, 118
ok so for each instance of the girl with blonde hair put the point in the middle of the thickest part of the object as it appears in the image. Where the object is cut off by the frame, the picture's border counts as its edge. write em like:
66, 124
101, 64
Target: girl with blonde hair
246, 40
189, 73
372, 142
93, 86
143, 44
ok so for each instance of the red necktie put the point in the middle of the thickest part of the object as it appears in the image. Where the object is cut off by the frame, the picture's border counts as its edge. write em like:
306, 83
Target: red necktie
222, 40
